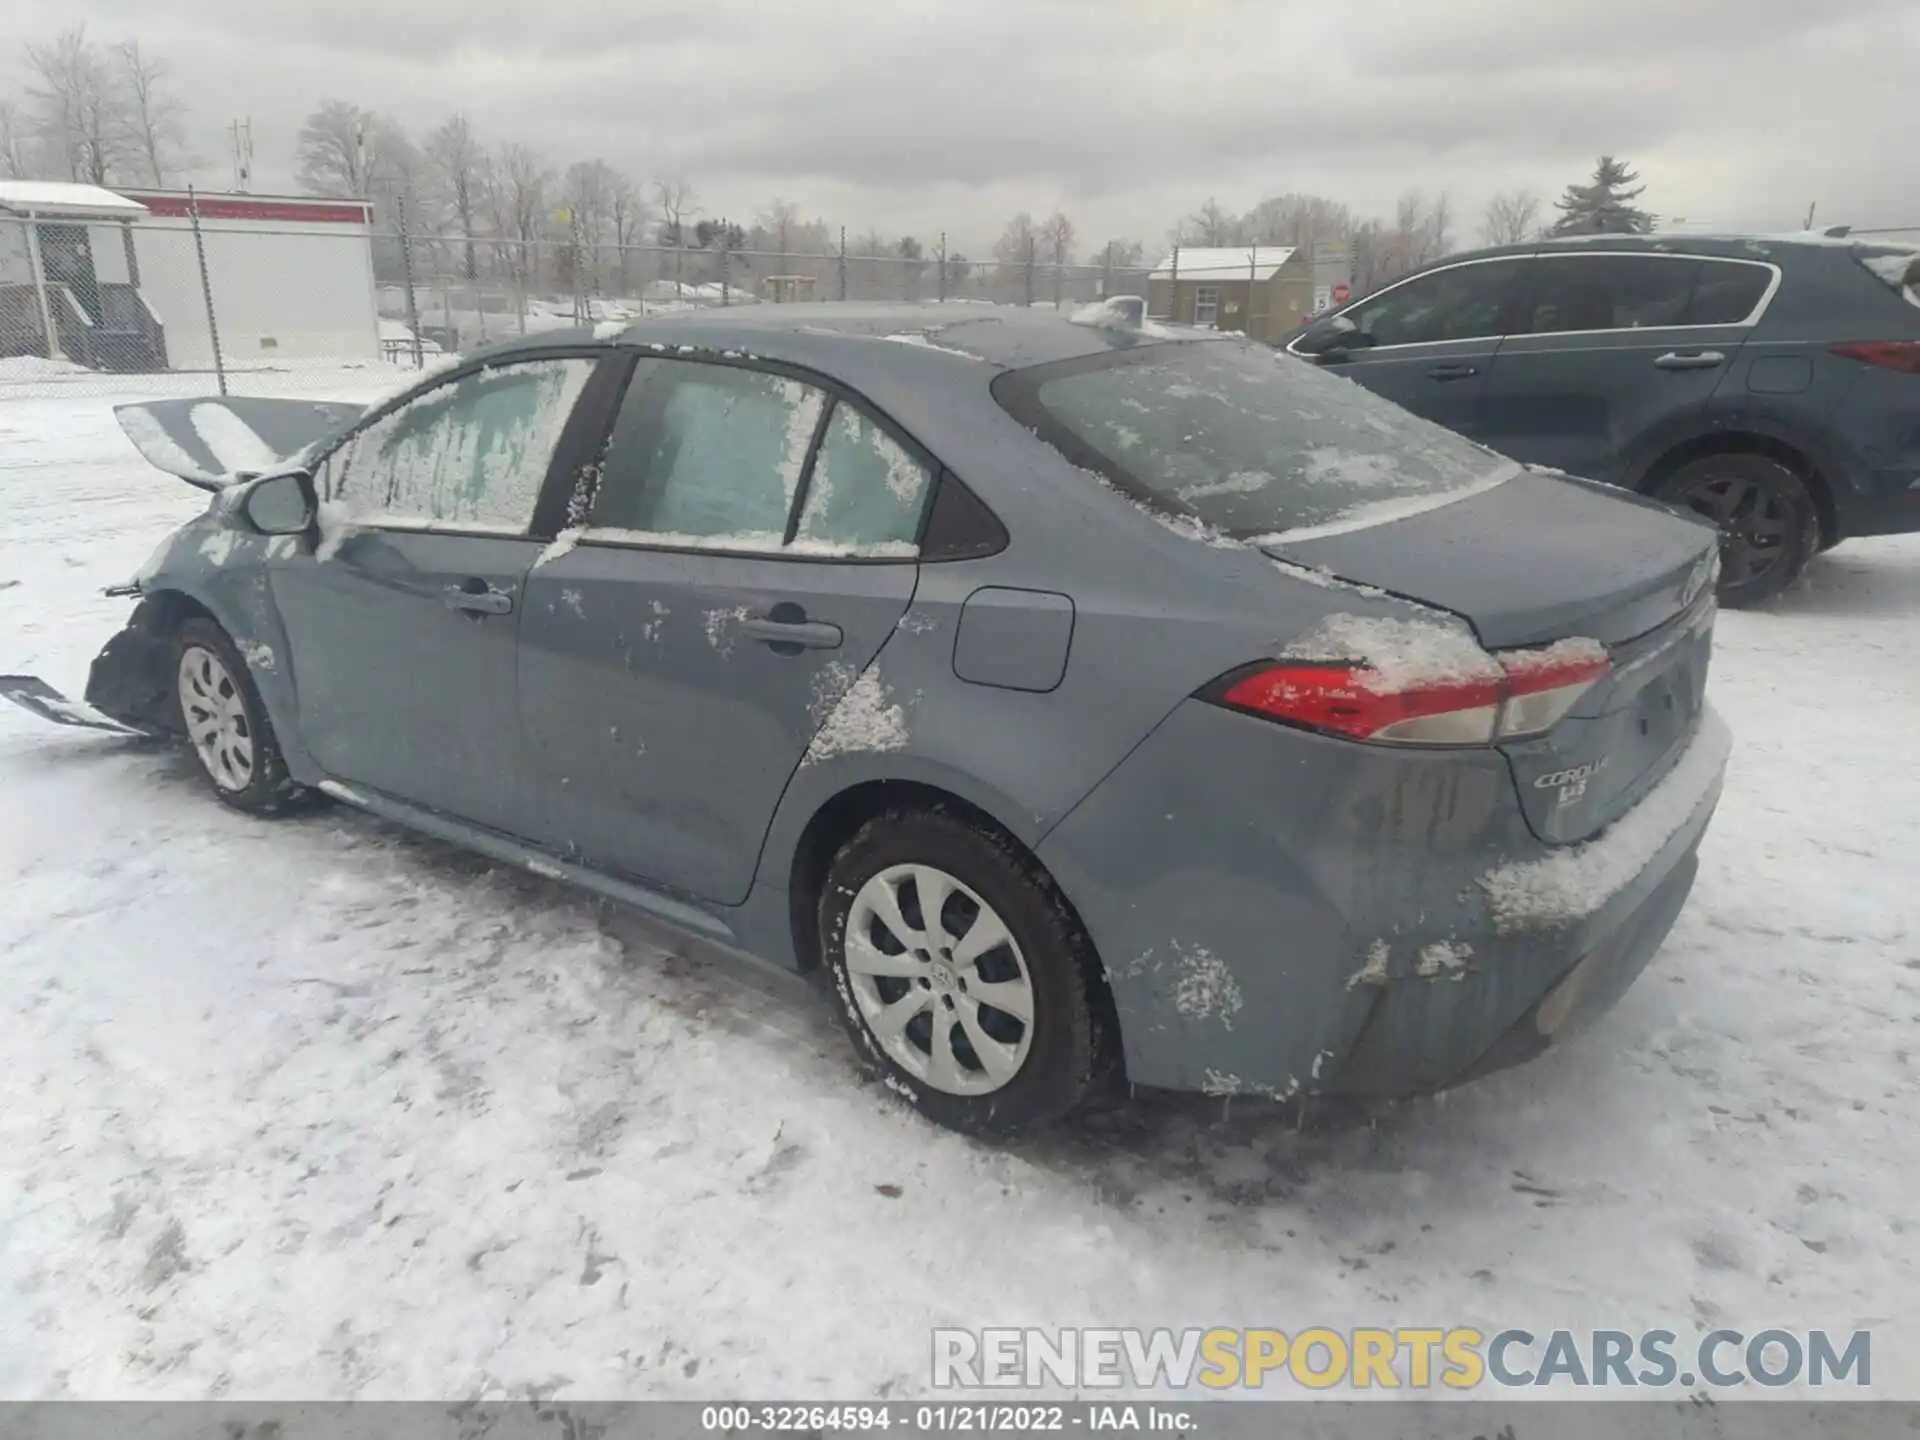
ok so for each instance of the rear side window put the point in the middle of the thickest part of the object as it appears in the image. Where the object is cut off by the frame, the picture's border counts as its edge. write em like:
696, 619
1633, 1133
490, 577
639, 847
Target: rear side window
1726, 292
1608, 292
707, 451
726, 457
1465, 302
1241, 440
470, 453
865, 490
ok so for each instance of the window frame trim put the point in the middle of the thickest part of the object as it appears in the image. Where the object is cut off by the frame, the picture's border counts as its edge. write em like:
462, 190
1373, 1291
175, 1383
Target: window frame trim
1754, 318
836, 391
475, 530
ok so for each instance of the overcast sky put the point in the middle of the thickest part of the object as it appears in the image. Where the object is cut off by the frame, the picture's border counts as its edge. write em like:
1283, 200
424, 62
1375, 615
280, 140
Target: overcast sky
922, 115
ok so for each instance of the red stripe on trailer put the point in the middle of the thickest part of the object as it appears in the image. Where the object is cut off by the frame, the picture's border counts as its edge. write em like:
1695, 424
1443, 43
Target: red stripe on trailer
226, 207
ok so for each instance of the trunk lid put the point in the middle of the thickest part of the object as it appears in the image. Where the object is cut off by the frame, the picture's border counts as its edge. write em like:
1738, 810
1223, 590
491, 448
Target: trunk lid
1542, 559
208, 441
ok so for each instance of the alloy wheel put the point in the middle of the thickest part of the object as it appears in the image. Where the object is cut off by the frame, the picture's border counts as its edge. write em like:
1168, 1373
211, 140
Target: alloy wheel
216, 718
939, 980
1754, 524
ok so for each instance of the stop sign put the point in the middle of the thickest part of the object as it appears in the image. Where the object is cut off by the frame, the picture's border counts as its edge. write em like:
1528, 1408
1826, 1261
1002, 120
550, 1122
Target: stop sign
1340, 294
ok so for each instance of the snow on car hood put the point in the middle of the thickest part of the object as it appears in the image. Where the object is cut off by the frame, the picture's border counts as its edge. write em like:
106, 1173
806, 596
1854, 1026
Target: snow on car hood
211, 440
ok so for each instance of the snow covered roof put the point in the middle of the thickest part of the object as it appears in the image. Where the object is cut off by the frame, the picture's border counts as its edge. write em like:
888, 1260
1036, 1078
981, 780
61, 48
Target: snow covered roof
61, 198
1225, 262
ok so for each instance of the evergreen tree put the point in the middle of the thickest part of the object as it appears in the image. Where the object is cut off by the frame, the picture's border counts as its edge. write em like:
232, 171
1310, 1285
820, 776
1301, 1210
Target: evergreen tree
1603, 206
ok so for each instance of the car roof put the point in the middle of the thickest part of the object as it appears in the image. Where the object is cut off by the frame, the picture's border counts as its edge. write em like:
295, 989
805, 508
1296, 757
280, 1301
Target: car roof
1729, 245
860, 337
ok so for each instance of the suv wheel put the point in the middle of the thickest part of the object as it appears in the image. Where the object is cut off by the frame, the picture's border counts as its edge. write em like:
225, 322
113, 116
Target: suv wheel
1769, 528
960, 974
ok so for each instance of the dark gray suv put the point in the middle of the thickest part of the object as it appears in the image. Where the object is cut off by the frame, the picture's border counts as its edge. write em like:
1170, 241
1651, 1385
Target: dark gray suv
1771, 384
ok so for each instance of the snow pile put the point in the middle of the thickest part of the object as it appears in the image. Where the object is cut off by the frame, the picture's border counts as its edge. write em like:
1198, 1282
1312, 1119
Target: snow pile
39, 367
1894, 269
1574, 882
1574, 650
1325, 579
1374, 972
334, 521
1402, 654
231, 440
1443, 957
866, 719
1205, 987
925, 342
1123, 313
563, 544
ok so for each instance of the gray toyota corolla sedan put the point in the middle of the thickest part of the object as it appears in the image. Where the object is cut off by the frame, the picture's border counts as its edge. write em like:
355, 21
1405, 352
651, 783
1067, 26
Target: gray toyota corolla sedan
1082, 699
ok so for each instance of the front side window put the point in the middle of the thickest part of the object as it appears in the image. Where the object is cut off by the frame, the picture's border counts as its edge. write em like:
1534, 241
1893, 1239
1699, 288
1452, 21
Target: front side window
1241, 440
468, 454
725, 457
1609, 292
1206, 304
1465, 302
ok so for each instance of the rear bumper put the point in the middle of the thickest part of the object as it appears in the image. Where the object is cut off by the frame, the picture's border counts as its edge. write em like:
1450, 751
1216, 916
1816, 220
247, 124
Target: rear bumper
1283, 914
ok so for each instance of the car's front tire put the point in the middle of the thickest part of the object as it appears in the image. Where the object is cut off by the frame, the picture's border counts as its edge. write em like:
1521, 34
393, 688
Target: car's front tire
225, 724
1769, 526
961, 975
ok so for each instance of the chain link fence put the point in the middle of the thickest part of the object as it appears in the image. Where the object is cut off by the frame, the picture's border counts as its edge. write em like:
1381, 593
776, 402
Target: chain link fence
189, 306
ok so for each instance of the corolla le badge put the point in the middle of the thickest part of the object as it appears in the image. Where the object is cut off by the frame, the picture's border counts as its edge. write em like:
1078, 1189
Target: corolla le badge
1571, 782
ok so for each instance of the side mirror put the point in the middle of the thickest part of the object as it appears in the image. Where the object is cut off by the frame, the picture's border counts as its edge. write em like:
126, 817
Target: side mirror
281, 504
1331, 335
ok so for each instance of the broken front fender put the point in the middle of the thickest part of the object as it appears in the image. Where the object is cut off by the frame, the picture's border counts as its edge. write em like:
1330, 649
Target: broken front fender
129, 680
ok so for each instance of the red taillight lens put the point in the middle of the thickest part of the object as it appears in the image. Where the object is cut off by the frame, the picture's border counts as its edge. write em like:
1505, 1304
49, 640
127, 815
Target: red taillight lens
1533, 693
1901, 355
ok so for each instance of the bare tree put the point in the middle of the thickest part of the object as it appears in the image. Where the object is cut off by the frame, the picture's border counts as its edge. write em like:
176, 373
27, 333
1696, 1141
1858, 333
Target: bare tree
457, 162
1125, 254
338, 151
77, 112
676, 201
1057, 239
517, 186
16, 161
627, 211
1297, 220
153, 115
1511, 217
777, 222
1211, 225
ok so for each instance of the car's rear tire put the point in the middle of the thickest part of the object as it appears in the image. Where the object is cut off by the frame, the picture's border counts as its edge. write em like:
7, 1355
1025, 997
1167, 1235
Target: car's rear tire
985, 1013
1769, 525
226, 726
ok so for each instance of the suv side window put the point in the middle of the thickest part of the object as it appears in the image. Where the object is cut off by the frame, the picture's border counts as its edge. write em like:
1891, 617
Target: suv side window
866, 493
1727, 292
716, 456
1608, 292
1463, 302
469, 454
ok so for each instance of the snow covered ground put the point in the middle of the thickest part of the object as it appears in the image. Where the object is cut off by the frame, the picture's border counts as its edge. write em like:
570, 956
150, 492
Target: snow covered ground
313, 1108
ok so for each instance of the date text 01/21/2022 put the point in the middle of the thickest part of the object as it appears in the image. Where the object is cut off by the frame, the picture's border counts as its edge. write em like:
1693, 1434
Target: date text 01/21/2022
949, 1418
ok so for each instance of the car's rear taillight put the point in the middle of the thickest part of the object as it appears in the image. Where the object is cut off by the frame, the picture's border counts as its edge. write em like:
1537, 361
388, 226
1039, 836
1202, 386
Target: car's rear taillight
1901, 355
1525, 693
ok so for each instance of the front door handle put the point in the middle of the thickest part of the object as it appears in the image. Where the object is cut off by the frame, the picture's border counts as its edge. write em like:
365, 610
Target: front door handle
1691, 360
1455, 371
476, 597
799, 634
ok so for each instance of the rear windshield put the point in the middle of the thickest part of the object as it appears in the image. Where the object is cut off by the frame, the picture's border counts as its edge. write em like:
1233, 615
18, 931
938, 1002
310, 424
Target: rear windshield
1243, 440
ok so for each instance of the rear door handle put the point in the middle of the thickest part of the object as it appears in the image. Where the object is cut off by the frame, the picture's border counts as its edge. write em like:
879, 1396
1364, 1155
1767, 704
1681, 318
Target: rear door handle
1692, 360
476, 597
1453, 372
800, 634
